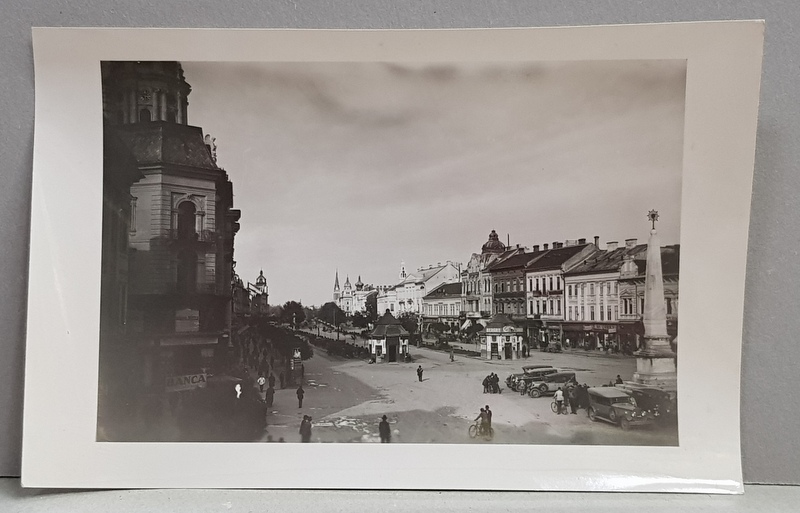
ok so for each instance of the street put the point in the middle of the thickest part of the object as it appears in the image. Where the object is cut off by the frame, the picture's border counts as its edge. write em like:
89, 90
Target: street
346, 399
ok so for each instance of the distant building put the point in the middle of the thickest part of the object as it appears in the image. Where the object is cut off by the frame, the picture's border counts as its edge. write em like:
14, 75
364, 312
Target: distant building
354, 299
592, 297
388, 341
501, 339
442, 305
544, 294
476, 283
407, 295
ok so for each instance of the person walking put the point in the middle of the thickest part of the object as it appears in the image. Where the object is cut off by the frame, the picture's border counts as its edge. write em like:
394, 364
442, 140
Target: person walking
385, 431
269, 397
559, 399
300, 394
488, 416
305, 429
572, 398
486, 384
261, 382
419, 372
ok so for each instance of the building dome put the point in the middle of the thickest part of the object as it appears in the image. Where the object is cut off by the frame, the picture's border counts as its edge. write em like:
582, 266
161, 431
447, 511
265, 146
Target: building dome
261, 281
359, 283
493, 245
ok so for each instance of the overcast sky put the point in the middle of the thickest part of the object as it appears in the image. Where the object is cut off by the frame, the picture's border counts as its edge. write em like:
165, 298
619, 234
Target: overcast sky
359, 166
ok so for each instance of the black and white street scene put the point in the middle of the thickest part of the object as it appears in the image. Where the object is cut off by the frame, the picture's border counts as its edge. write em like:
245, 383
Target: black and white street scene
471, 253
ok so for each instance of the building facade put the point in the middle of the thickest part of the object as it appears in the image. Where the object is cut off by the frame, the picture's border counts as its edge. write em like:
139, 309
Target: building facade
442, 305
407, 296
592, 298
502, 339
182, 224
352, 299
477, 297
544, 293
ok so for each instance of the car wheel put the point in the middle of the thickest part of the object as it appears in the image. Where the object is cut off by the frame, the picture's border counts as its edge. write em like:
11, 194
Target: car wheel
624, 424
534, 393
543, 388
592, 415
612, 415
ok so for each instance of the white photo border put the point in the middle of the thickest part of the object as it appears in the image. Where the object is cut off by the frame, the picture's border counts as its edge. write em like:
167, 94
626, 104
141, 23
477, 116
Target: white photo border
59, 447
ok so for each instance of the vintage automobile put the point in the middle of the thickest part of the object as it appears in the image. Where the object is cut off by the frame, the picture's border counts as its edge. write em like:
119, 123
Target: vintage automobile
658, 403
550, 383
616, 406
521, 382
527, 369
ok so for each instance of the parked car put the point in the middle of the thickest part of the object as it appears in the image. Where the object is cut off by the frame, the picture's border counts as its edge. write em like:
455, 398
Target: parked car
658, 403
511, 379
521, 383
616, 406
550, 383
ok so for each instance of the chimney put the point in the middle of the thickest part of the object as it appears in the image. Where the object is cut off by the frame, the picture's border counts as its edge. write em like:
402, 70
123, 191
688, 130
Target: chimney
555, 244
597, 241
535, 248
611, 246
517, 246
545, 246
581, 241
629, 243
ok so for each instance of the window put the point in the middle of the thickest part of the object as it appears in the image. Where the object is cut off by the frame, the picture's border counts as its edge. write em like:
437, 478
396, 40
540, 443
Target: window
591, 313
186, 220
530, 284
602, 314
538, 307
591, 289
537, 283
558, 282
551, 283
669, 306
530, 306
582, 313
144, 115
609, 314
570, 313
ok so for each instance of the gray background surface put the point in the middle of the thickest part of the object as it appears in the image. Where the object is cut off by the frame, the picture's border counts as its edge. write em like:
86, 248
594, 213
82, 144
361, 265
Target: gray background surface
770, 421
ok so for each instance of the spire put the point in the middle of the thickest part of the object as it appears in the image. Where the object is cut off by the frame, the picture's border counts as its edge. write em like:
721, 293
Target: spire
336, 283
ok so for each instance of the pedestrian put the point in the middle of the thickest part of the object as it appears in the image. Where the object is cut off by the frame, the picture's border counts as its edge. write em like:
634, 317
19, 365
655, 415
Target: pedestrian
486, 384
261, 381
269, 397
305, 429
272, 380
559, 399
300, 394
619, 380
572, 398
495, 383
385, 431
482, 418
282, 379
419, 372
452, 358
488, 416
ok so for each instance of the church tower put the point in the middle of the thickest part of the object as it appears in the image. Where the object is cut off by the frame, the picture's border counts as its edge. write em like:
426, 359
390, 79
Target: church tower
336, 293
144, 91
403, 273
261, 283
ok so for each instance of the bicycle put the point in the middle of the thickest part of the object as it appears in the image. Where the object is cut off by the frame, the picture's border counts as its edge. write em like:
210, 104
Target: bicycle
564, 408
476, 430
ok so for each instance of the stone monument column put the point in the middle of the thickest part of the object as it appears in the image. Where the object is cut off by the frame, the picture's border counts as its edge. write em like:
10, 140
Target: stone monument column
655, 361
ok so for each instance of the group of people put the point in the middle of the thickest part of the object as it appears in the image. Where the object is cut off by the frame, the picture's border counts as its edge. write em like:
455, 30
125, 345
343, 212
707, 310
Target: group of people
573, 397
491, 384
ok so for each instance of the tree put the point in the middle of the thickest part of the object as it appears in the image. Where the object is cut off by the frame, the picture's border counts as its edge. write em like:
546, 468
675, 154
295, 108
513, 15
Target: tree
332, 314
371, 306
293, 313
359, 320
409, 322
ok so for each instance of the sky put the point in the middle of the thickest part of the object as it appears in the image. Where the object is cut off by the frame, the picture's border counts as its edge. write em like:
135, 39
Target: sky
359, 166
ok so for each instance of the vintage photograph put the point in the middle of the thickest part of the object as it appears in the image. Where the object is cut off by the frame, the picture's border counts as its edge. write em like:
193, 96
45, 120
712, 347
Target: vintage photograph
391, 252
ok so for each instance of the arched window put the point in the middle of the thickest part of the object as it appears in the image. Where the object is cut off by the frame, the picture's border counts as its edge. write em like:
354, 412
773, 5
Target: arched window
187, 272
186, 220
144, 115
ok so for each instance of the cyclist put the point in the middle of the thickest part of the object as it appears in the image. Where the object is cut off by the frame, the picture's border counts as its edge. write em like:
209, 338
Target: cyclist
483, 418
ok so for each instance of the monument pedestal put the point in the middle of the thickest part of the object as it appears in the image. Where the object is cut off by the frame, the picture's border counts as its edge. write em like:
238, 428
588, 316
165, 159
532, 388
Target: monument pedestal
655, 365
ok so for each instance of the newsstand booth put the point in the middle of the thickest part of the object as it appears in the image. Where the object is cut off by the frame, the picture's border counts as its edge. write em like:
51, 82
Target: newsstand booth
389, 340
501, 339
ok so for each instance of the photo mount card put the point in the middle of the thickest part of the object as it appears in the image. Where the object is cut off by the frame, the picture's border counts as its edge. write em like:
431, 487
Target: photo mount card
206, 202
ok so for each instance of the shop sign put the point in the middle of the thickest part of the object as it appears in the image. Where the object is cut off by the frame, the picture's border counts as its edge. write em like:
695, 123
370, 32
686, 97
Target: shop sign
187, 321
186, 382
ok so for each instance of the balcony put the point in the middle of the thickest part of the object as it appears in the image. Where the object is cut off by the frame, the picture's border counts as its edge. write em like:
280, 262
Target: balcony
206, 236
